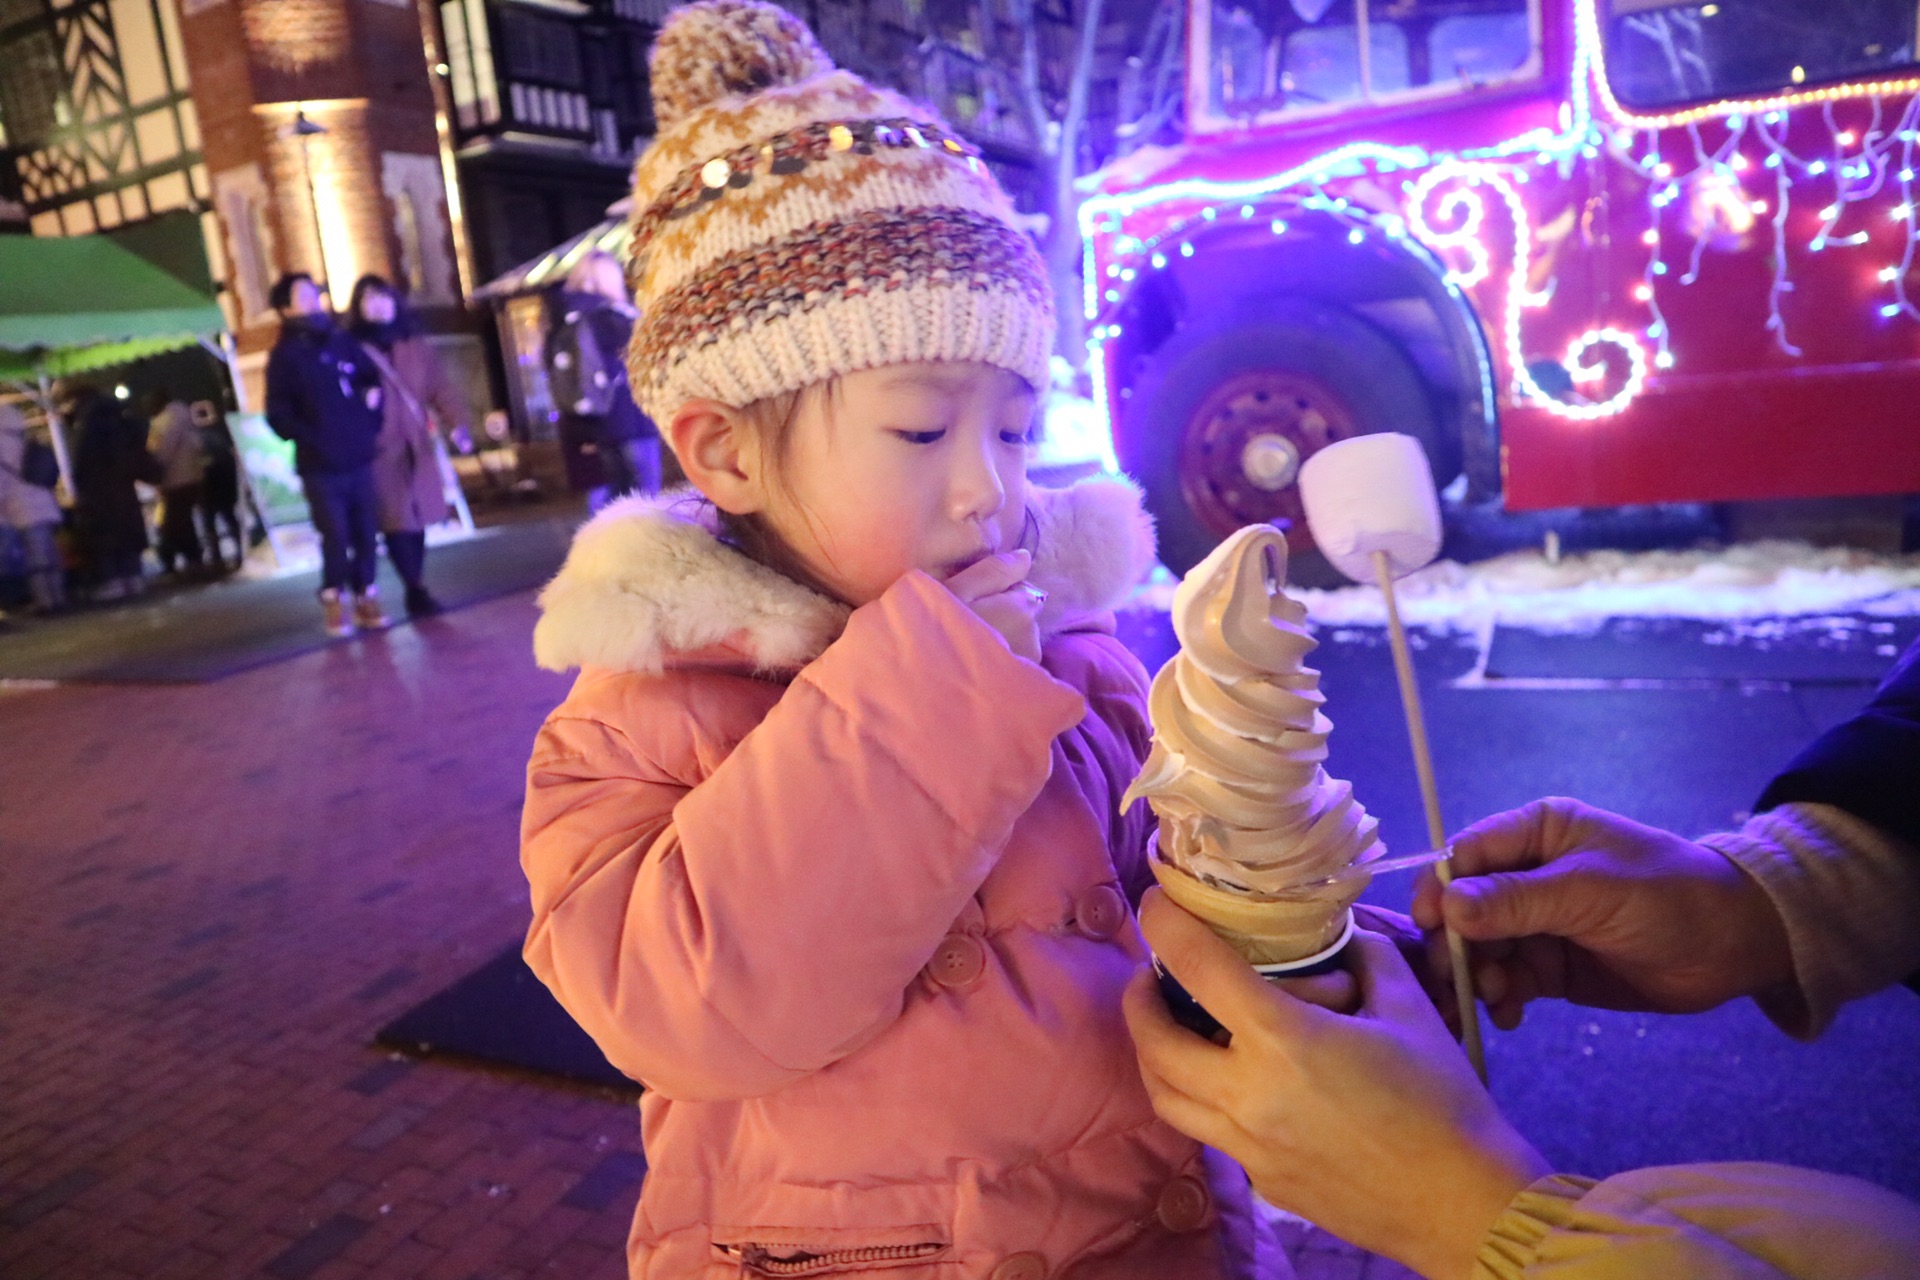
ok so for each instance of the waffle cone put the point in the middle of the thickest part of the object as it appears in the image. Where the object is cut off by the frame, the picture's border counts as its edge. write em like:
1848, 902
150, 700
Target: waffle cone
1263, 929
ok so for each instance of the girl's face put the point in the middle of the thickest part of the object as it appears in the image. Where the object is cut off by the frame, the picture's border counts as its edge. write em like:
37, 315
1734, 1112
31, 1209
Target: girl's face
377, 307
913, 466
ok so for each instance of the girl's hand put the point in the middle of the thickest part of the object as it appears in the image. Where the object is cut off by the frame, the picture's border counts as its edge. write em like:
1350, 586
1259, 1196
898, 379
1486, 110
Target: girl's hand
1371, 1125
996, 588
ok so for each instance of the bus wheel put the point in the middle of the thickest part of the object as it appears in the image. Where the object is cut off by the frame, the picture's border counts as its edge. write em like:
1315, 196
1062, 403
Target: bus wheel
1225, 412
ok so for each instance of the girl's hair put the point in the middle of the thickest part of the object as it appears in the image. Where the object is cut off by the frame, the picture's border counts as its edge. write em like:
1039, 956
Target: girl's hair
402, 314
772, 420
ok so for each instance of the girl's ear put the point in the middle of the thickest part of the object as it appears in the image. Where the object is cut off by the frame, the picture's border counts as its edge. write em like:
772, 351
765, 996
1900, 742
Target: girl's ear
716, 448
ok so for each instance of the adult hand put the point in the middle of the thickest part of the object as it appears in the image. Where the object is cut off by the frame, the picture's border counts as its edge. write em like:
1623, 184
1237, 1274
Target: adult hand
1372, 1126
996, 589
1561, 899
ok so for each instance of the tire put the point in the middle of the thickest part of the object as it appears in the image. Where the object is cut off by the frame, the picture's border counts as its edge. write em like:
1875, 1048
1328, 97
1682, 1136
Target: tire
1219, 411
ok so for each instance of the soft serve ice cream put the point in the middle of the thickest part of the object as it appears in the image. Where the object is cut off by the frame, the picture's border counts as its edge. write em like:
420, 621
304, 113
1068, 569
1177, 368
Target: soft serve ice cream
1251, 826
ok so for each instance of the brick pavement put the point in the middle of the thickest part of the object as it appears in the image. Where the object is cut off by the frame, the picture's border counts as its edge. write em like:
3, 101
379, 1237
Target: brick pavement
213, 896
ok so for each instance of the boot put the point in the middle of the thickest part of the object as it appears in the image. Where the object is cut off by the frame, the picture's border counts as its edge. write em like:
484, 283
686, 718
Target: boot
333, 612
367, 613
420, 602
49, 592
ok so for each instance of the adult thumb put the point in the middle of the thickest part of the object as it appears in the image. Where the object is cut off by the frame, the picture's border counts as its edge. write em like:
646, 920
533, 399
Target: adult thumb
1515, 904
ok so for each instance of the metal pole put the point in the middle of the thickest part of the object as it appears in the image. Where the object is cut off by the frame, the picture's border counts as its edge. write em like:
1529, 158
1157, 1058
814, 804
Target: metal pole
274, 550
56, 428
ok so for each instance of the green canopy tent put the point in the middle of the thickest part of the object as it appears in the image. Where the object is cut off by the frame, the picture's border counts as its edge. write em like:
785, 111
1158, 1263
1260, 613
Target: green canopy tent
75, 304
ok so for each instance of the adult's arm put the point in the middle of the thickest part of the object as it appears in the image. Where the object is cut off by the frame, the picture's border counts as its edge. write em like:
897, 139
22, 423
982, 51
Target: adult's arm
726, 918
1372, 1126
445, 398
1847, 894
1704, 1222
286, 399
1868, 765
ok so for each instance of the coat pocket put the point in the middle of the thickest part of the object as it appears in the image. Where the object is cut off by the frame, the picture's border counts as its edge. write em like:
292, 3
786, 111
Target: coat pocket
790, 1252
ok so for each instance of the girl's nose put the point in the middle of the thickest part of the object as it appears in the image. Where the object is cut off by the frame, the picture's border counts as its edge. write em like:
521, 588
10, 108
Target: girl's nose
978, 492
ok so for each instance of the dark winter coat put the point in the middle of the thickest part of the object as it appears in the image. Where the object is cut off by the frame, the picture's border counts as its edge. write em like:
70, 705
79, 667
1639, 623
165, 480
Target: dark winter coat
323, 393
1869, 765
406, 467
110, 454
611, 329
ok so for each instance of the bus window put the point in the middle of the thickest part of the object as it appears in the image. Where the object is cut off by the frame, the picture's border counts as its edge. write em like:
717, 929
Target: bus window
1278, 58
1660, 54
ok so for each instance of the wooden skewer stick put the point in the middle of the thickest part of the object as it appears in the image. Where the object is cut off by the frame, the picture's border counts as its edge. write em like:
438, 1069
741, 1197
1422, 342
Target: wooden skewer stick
1430, 797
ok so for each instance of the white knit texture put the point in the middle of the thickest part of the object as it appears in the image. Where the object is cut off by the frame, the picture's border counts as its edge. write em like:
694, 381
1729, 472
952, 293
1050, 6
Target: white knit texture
919, 322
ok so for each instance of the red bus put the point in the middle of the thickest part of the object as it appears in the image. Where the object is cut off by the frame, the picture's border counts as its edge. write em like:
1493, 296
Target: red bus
1590, 252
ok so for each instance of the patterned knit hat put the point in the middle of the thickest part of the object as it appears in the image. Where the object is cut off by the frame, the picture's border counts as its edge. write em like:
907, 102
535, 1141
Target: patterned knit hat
792, 222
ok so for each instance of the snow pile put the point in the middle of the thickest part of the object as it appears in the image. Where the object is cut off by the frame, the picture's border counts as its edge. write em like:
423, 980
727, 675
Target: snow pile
1523, 589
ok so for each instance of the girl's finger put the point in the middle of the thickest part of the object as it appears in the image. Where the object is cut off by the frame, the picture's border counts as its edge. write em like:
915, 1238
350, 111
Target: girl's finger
991, 576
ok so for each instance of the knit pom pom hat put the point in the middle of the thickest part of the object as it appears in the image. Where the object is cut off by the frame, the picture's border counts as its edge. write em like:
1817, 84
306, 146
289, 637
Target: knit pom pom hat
793, 222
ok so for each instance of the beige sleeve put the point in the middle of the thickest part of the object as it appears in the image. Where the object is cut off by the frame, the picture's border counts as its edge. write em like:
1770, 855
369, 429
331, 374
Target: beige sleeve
1704, 1222
1849, 895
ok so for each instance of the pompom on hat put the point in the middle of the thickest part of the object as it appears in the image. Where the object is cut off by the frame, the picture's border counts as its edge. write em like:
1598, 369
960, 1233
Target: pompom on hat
792, 222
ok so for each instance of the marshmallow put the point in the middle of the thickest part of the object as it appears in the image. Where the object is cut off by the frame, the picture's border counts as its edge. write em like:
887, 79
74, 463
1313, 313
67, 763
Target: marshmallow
1372, 493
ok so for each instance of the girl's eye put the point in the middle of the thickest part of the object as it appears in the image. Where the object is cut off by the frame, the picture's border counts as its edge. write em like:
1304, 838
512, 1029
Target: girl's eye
920, 437
1022, 438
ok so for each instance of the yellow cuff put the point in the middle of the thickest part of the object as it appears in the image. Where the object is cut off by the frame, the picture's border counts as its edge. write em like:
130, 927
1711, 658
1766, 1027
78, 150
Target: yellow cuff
1515, 1237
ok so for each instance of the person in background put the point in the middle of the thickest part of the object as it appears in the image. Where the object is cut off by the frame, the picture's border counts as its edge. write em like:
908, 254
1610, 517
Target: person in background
586, 357
406, 468
174, 443
1373, 1127
324, 394
109, 457
32, 513
220, 492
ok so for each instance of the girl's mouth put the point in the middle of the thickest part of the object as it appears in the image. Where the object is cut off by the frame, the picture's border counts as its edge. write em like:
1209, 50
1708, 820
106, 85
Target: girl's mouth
967, 561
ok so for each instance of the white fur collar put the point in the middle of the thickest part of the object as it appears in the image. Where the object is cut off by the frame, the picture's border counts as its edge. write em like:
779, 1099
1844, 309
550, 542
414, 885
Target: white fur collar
647, 578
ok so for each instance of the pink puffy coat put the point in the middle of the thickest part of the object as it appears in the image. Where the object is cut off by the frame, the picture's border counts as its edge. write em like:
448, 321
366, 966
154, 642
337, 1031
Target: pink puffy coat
850, 895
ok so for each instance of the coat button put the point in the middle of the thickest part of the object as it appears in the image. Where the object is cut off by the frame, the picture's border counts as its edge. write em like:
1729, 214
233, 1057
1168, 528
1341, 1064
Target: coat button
957, 962
1184, 1205
1100, 912
1021, 1266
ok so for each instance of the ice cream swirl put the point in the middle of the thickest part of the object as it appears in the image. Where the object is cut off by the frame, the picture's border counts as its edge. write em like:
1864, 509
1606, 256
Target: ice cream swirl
1236, 769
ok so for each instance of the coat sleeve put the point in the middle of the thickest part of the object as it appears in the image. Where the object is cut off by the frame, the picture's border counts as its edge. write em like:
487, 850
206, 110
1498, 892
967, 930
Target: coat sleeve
1115, 737
1865, 765
286, 405
725, 921
442, 396
1703, 1222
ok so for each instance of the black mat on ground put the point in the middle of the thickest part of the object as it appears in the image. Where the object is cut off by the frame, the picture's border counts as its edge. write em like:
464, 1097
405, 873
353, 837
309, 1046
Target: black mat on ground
501, 1013
197, 634
1839, 648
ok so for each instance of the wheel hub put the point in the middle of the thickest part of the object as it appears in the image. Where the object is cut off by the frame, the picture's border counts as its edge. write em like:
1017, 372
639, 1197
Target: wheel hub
1241, 450
1270, 461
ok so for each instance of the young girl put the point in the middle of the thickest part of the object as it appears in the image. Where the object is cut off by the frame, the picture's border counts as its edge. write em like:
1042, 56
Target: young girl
824, 843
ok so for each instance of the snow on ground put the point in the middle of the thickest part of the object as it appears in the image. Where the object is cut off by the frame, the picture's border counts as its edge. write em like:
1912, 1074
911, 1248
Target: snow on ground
1740, 585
